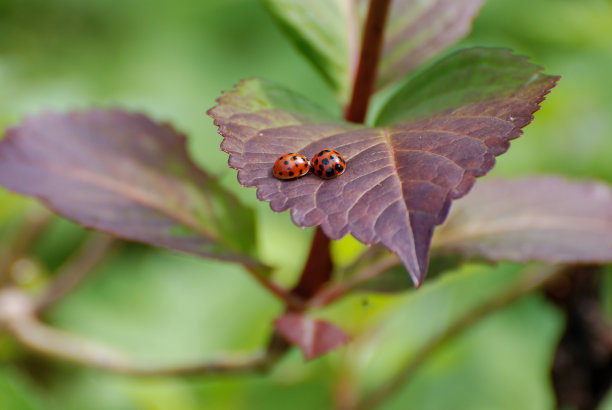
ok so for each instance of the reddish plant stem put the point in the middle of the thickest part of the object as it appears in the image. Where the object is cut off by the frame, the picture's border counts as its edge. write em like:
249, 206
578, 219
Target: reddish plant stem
319, 265
289, 299
371, 48
335, 291
318, 268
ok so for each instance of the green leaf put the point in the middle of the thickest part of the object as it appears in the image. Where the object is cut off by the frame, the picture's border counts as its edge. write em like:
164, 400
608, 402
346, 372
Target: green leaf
329, 33
168, 309
485, 79
509, 351
325, 31
15, 394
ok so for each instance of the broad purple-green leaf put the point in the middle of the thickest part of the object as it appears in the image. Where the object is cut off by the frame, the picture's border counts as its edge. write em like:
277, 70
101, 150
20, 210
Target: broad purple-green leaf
124, 174
419, 30
313, 336
329, 33
400, 179
546, 219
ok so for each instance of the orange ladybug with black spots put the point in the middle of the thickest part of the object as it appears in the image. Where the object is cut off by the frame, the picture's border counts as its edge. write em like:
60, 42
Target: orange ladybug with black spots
328, 164
290, 166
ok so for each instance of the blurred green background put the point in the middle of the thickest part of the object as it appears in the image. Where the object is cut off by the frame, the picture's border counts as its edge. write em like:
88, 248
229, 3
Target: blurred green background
171, 59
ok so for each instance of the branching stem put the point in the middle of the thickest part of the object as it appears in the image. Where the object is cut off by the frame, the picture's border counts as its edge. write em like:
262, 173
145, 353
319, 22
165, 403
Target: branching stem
318, 268
17, 317
292, 301
36, 220
334, 291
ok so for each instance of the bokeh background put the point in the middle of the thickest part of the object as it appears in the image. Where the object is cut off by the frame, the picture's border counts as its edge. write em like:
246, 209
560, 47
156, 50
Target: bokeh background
171, 59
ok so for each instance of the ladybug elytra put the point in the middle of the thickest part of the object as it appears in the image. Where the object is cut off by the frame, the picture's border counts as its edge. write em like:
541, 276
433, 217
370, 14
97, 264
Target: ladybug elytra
328, 164
290, 166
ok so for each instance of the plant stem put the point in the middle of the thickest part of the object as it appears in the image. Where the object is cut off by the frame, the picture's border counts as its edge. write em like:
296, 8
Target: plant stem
290, 300
318, 268
17, 317
76, 268
581, 374
319, 265
334, 291
36, 220
371, 48
533, 281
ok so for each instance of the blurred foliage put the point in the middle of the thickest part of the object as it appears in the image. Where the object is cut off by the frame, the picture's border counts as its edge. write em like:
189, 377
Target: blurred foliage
172, 59
485, 368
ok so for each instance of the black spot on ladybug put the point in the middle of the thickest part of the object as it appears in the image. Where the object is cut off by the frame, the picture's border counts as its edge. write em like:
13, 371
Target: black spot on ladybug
316, 161
280, 158
333, 157
286, 162
339, 168
280, 173
294, 157
326, 150
321, 167
319, 172
290, 174
325, 161
329, 172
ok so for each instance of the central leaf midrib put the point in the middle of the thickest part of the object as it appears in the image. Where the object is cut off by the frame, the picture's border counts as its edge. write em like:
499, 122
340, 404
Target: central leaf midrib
386, 137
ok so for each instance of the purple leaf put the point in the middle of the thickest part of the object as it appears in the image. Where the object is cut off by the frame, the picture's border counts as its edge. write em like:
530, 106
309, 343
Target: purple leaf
314, 337
545, 219
126, 175
399, 179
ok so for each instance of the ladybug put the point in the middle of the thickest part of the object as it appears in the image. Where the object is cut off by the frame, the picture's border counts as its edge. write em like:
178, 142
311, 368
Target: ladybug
328, 164
290, 166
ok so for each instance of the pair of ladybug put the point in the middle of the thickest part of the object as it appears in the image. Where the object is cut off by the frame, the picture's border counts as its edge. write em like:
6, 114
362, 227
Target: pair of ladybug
327, 164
